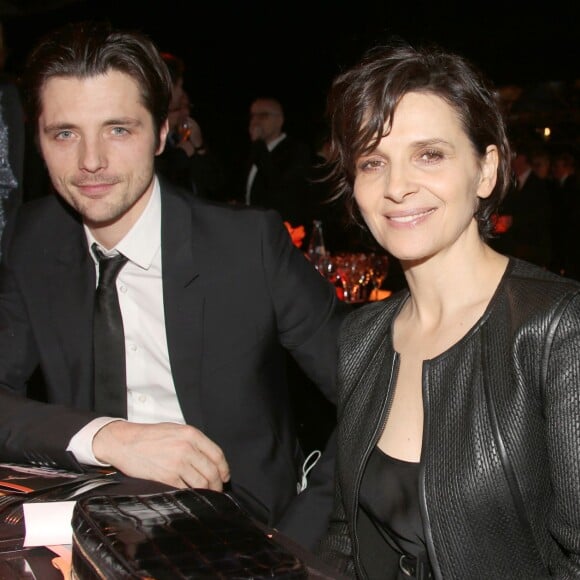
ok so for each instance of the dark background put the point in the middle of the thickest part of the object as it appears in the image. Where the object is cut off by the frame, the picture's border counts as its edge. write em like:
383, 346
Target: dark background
236, 50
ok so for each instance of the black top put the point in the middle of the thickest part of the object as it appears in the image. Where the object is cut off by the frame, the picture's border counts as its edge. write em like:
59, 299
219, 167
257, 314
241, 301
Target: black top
389, 494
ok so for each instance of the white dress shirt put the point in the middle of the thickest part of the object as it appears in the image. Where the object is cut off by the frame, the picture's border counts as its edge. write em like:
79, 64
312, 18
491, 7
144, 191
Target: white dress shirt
151, 396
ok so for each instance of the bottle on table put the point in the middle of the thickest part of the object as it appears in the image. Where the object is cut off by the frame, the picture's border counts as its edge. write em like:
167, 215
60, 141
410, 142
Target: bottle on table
316, 249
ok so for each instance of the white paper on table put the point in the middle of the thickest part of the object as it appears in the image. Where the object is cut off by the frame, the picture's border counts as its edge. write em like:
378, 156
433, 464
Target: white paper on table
48, 523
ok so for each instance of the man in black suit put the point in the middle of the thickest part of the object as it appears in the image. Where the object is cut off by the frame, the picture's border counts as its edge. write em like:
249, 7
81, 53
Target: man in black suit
212, 297
525, 213
280, 165
565, 213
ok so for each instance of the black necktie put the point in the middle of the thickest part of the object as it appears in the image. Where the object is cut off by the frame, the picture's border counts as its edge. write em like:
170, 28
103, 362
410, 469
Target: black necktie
109, 340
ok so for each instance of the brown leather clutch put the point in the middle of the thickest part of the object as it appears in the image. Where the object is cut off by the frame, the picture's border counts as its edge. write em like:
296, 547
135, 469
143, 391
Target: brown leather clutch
179, 534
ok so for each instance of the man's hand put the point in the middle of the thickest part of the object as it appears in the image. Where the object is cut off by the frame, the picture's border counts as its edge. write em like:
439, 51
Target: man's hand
191, 138
177, 455
195, 135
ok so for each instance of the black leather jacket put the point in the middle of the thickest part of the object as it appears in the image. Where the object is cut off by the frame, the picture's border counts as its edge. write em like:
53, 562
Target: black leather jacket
500, 465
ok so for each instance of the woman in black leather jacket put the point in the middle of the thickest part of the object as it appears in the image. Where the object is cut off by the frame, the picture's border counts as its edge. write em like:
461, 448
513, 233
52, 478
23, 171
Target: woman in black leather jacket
459, 403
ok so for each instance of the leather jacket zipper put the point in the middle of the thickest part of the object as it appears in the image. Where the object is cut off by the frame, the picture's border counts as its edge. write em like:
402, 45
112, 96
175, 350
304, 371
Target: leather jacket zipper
422, 498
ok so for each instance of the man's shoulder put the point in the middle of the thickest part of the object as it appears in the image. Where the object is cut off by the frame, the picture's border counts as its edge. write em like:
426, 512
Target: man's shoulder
40, 228
42, 215
175, 199
294, 145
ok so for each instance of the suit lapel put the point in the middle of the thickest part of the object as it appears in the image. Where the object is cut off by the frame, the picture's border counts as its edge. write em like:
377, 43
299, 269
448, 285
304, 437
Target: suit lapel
183, 303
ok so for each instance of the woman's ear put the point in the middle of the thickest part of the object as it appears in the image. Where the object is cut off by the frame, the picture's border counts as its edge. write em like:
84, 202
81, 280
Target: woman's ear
488, 174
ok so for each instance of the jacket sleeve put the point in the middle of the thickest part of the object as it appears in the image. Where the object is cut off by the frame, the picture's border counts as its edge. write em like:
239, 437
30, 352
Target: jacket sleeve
38, 433
308, 317
31, 431
307, 518
335, 548
308, 312
561, 398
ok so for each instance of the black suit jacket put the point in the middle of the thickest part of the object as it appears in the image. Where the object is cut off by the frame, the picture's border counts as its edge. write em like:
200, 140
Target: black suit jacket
528, 237
565, 202
282, 180
236, 295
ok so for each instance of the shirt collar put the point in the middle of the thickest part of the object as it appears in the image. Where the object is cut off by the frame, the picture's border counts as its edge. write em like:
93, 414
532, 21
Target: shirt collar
523, 177
143, 240
275, 142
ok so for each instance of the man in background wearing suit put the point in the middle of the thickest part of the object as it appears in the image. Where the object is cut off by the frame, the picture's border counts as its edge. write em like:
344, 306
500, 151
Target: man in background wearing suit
280, 165
525, 213
212, 297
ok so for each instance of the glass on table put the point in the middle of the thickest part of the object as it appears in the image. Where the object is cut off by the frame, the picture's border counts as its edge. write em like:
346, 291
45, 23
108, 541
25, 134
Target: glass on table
357, 276
352, 274
379, 269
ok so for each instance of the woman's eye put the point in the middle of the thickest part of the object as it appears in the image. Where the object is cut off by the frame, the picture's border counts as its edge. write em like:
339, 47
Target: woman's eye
431, 156
370, 164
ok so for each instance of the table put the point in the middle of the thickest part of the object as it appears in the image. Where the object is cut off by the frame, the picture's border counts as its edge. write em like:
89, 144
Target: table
36, 563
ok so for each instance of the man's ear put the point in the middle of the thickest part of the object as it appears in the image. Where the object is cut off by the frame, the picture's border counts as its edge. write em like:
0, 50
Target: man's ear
163, 132
488, 173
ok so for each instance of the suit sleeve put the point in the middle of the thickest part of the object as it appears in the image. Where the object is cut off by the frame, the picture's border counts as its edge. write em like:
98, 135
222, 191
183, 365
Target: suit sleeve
30, 431
308, 312
309, 317
307, 518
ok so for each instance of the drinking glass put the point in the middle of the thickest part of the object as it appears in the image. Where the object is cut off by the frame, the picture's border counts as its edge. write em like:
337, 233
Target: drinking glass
354, 273
379, 269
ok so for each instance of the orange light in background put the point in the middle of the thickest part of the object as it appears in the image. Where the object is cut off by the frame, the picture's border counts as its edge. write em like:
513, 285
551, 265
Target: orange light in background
296, 233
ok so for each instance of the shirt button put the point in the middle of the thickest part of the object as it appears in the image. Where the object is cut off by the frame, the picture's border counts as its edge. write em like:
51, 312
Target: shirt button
142, 398
123, 289
133, 347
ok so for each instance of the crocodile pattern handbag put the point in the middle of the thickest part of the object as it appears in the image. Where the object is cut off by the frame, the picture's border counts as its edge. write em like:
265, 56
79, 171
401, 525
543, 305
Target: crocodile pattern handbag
192, 533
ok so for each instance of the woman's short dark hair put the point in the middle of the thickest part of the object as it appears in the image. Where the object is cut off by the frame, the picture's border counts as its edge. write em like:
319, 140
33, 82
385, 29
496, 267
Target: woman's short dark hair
363, 99
88, 49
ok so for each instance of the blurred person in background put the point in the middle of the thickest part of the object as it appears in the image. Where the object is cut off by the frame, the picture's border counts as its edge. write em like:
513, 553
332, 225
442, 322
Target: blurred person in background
565, 213
12, 140
277, 172
540, 162
187, 160
525, 214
